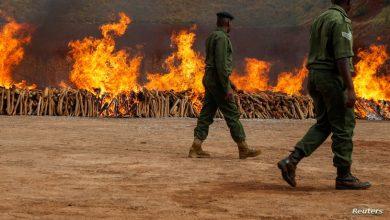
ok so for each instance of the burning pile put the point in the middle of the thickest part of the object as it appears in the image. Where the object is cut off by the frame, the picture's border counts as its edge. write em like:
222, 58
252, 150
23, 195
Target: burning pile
185, 69
262, 105
107, 82
370, 86
145, 103
372, 110
155, 104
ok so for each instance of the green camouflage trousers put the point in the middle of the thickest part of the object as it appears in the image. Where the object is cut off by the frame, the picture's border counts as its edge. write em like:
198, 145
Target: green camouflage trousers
214, 99
333, 117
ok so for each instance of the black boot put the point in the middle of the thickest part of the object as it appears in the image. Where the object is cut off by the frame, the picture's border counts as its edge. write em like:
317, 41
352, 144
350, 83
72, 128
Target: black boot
289, 165
346, 181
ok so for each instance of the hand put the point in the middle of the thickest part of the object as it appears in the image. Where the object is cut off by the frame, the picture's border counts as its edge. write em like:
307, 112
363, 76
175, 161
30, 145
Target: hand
234, 87
229, 95
351, 98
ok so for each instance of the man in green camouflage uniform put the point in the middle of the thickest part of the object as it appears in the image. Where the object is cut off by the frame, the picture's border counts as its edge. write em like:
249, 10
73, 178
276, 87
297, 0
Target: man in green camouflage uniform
219, 91
331, 87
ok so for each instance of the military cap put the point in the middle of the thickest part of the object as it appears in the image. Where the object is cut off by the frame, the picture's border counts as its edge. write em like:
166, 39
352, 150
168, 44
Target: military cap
225, 14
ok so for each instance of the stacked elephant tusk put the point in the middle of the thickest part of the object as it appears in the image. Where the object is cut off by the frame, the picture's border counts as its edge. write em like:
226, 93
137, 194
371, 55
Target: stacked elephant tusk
156, 104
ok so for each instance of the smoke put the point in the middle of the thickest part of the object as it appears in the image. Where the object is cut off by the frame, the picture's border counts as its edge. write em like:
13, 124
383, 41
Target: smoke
45, 62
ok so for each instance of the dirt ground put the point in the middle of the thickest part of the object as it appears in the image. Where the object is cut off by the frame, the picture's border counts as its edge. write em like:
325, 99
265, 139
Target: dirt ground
55, 167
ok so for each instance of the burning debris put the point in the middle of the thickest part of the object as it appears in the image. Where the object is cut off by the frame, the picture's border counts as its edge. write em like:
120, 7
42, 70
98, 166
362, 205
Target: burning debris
372, 110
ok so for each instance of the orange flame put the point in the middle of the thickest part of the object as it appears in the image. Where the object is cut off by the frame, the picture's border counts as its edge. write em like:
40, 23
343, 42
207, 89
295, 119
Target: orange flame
63, 85
98, 66
367, 84
291, 83
255, 78
23, 85
13, 36
185, 67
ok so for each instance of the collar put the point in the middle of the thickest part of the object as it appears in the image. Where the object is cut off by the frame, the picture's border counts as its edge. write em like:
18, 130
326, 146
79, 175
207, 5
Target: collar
223, 30
340, 9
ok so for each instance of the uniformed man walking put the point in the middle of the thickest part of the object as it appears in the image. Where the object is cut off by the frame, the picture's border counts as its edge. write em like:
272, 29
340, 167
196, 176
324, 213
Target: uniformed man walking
331, 87
219, 91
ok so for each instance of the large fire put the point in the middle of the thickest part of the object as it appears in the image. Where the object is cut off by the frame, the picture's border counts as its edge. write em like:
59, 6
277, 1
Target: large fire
255, 78
13, 37
98, 66
102, 69
185, 67
368, 84
291, 83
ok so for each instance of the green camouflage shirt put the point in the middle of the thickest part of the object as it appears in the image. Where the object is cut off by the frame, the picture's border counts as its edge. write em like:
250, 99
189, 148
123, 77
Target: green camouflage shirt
219, 60
330, 39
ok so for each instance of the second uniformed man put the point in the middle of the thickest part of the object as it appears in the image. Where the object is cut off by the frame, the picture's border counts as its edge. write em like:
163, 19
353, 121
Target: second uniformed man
219, 91
331, 87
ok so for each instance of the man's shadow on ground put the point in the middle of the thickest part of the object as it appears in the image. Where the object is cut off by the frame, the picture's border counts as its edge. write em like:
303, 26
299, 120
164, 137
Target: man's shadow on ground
273, 188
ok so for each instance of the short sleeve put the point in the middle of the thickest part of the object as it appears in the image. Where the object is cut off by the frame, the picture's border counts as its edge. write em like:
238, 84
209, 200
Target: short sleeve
342, 40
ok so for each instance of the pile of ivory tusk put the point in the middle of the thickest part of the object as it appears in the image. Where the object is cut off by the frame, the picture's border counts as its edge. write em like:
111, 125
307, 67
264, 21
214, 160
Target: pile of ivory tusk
156, 104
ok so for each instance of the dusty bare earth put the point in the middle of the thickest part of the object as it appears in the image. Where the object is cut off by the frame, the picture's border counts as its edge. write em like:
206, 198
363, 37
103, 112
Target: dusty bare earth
137, 168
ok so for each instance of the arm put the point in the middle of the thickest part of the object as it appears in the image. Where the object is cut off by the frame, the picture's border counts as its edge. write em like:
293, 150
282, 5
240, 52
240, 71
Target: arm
343, 51
344, 70
221, 48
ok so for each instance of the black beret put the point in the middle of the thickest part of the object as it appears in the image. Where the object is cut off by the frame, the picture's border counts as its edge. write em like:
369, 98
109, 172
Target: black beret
225, 14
